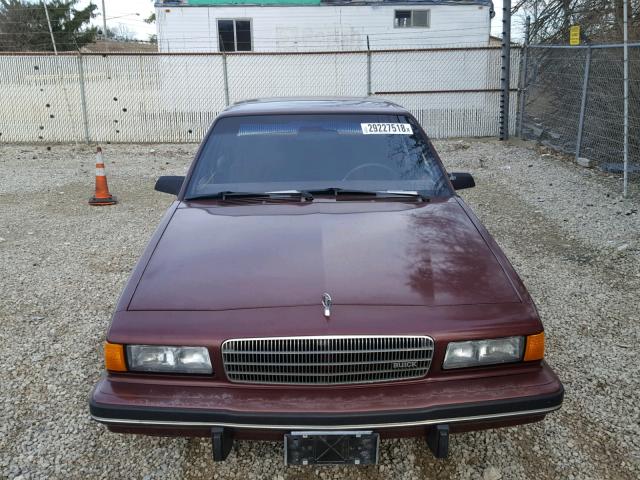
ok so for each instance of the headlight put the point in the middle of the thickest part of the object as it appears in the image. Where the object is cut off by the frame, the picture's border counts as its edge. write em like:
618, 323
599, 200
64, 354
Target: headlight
483, 352
155, 358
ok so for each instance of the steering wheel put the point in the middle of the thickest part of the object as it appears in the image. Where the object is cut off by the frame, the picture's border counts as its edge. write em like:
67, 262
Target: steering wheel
370, 165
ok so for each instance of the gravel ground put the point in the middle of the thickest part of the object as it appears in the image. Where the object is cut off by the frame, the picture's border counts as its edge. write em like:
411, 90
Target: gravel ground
572, 238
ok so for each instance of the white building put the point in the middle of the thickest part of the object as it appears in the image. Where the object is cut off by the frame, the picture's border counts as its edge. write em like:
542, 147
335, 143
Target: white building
320, 25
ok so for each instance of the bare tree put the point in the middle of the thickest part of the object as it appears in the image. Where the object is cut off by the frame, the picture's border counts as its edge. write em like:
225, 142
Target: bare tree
600, 20
123, 33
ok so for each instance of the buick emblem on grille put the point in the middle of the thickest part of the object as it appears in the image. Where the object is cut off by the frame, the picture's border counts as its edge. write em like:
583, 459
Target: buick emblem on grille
405, 364
326, 303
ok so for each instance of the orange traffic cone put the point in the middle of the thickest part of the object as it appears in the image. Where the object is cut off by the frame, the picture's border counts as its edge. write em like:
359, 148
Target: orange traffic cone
102, 195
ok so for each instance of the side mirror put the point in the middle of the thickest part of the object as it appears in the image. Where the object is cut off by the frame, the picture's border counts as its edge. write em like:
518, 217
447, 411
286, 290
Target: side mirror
461, 180
169, 184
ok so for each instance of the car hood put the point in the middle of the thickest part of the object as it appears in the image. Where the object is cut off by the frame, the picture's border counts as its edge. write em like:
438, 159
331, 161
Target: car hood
219, 257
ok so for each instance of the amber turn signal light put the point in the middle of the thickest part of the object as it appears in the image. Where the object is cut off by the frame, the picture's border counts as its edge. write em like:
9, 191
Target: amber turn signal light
534, 349
114, 357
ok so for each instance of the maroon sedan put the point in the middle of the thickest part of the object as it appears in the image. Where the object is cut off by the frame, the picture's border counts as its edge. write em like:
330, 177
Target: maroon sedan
318, 280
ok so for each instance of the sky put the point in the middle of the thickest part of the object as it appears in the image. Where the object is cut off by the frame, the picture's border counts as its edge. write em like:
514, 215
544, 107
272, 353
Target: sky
517, 22
131, 13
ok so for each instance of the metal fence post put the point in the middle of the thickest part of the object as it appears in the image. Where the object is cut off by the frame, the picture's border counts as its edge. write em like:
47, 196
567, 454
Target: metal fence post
506, 70
368, 68
523, 76
83, 98
583, 103
625, 154
225, 78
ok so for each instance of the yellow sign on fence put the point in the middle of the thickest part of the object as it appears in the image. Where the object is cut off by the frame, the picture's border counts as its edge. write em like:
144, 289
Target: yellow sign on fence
574, 35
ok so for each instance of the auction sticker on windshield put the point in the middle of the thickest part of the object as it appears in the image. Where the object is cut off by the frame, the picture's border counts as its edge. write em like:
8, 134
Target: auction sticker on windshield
386, 129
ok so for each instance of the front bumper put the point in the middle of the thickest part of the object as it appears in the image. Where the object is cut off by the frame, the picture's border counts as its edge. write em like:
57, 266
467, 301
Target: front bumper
150, 406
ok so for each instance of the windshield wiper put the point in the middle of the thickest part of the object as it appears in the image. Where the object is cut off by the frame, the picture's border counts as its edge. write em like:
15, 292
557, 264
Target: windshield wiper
335, 191
308, 195
274, 194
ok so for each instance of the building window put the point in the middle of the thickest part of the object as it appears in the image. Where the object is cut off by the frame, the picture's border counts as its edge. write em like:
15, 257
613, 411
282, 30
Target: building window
234, 35
412, 18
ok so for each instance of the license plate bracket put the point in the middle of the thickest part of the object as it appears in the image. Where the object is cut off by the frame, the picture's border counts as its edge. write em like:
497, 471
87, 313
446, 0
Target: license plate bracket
331, 448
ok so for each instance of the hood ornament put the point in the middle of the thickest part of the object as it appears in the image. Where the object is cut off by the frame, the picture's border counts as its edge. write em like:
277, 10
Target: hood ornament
326, 303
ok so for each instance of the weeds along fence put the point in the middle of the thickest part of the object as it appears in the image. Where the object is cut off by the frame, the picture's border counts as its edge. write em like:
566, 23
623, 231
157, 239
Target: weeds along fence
174, 97
572, 101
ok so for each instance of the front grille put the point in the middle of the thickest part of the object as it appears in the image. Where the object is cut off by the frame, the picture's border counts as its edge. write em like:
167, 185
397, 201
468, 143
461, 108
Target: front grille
327, 360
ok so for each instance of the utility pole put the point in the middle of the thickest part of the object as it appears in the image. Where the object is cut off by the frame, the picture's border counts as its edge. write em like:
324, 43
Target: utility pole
53, 41
505, 77
104, 20
625, 34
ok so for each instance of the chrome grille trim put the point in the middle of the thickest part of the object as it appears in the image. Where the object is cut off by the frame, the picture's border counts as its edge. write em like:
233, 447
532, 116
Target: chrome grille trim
327, 360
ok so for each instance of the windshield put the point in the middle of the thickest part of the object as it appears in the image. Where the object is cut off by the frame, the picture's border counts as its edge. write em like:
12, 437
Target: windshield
308, 152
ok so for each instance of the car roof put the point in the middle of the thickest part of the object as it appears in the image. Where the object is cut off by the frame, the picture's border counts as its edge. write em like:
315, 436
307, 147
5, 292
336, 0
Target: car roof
317, 105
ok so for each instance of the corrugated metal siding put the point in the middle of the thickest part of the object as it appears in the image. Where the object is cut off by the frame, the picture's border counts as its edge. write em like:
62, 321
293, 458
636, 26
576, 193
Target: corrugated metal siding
259, 75
152, 98
174, 98
41, 99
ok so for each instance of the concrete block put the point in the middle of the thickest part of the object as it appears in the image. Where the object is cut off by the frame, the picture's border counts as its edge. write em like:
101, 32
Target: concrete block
584, 162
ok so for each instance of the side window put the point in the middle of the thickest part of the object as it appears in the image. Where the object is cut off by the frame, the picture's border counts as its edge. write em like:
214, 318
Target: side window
403, 18
226, 36
420, 18
412, 18
243, 35
234, 35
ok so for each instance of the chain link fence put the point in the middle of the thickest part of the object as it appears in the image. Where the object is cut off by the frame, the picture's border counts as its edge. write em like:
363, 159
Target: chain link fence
174, 97
572, 101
